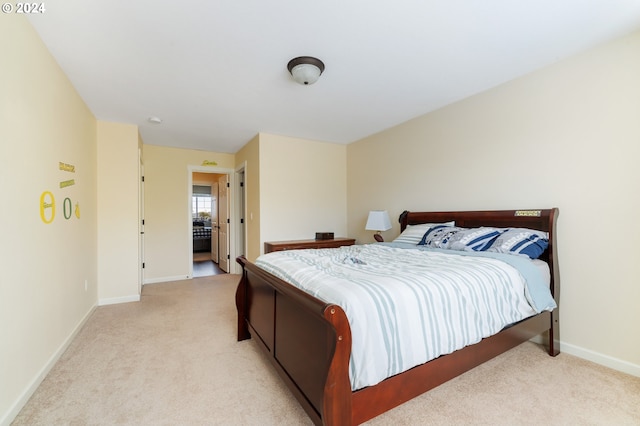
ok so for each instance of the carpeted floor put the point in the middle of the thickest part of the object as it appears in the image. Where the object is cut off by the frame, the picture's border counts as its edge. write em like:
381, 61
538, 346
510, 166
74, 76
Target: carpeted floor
173, 359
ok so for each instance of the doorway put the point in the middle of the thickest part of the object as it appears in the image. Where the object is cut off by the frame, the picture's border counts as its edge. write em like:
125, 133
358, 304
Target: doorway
209, 207
224, 219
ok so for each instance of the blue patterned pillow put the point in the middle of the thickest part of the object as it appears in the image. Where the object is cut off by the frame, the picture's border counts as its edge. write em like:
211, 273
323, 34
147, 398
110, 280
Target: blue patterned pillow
439, 236
474, 239
521, 241
413, 233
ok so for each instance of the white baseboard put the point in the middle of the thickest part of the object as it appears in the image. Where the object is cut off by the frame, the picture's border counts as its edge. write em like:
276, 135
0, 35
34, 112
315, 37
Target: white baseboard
28, 392
116, 300
166, 279
598, 358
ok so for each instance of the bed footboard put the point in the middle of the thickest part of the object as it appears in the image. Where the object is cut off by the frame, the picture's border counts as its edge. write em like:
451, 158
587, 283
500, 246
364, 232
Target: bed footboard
307, 340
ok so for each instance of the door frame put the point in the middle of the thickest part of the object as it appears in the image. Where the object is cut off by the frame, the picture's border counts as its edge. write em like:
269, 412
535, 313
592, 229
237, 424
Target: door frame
141, 264
224, 212
215, 229
232, 213
240, 217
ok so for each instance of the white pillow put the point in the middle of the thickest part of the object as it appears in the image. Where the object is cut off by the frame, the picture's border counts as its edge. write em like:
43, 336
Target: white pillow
413, 233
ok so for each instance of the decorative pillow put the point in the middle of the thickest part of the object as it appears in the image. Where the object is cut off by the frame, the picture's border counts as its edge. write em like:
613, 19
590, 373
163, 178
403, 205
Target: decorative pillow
413, 233
439, 236
528, 242
474, 239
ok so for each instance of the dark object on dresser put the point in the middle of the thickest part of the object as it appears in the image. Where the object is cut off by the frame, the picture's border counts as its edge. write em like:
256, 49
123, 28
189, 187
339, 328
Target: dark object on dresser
324, 235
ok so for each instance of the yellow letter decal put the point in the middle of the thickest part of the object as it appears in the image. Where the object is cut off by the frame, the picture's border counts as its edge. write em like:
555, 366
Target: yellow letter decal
44, 205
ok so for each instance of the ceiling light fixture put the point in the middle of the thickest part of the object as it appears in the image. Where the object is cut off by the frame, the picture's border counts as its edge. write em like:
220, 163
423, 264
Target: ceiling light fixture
305, 69
154, 120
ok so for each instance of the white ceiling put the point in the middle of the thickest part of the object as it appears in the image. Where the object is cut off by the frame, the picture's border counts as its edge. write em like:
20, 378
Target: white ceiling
215, 70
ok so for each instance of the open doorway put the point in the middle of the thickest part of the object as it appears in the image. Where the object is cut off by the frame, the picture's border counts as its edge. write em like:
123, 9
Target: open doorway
209, 206
231, 205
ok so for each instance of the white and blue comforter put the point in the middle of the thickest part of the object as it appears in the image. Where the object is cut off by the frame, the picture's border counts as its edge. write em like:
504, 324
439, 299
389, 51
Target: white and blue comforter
408, 306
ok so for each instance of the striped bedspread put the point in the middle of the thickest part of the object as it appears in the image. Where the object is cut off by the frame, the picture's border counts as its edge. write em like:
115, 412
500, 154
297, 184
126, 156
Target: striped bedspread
408, 306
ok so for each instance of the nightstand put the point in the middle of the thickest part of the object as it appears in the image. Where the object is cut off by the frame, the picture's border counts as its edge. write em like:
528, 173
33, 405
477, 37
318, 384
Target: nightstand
307, 244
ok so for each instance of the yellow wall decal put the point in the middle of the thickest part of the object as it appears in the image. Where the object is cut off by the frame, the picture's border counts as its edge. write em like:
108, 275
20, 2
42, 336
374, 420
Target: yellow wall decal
66, 167
67, 183
48, 201
209, 163
47, 207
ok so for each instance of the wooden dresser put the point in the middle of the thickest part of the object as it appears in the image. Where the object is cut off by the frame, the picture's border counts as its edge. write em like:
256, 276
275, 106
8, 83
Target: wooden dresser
307, 244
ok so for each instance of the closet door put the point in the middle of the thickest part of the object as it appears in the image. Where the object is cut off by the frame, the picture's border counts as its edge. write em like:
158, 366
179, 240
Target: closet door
223, 220
214, 223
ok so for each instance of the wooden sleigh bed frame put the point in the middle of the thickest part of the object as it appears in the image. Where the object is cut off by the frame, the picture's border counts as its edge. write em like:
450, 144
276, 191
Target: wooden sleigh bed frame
309, 341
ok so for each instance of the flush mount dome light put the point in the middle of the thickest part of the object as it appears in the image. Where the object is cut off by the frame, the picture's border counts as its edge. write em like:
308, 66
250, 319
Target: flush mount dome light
305, 69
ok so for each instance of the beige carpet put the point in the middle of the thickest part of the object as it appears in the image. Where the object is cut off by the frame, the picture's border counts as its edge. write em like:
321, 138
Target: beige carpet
173, 359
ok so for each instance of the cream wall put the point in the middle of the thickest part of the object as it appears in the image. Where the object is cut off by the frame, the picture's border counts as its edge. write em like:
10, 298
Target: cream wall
118, 177
566, 136
302, 188
166, 205
249, 158
44, 267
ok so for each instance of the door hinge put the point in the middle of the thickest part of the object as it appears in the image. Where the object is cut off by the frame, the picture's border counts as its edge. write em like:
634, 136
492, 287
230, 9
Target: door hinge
228, 185
241, 184
142, 265
242, 220
143, 221
228, 256
142, 177
228, 220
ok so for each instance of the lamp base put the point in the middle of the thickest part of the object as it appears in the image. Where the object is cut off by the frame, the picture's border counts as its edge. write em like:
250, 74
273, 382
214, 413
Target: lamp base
378, 238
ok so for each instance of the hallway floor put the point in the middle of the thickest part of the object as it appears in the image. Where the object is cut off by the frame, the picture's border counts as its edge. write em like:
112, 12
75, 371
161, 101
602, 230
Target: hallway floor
203, 266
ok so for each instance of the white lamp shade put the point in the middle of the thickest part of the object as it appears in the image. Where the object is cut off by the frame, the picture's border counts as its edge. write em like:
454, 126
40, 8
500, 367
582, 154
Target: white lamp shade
305, 73
378, 221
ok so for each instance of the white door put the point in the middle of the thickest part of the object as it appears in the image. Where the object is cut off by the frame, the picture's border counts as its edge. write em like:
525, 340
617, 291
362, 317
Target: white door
214, 223
240, 247
140, 224
223, 222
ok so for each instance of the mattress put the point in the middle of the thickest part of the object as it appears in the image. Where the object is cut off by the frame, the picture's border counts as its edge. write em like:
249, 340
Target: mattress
406, 306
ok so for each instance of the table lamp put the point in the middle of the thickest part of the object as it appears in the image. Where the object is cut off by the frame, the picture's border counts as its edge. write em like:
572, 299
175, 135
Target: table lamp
378, 221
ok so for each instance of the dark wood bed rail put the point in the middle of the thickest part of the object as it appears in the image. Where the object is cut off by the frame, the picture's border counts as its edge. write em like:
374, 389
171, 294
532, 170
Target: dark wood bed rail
309, 341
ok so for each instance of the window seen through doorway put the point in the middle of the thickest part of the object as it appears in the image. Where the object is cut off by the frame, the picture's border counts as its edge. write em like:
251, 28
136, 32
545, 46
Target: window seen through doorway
202, 204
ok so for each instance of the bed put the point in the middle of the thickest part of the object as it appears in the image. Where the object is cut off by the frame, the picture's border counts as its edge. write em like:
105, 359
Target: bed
201, 237
309, 341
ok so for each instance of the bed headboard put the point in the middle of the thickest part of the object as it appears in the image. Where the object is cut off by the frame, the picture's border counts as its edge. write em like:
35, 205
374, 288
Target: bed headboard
540, 219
